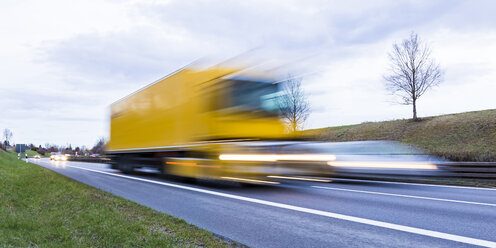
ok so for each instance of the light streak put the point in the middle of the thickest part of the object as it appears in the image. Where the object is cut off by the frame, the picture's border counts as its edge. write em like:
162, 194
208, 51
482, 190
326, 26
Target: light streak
384, 165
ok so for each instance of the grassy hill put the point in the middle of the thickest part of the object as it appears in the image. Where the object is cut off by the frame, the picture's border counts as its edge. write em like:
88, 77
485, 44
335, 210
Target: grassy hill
469, 136
32, 153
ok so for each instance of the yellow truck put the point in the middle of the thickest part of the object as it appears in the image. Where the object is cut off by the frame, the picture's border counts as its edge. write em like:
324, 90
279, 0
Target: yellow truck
207, 123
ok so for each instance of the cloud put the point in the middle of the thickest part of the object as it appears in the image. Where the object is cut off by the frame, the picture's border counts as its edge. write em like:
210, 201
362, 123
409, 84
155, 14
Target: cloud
62, 69
132, 55
294, 24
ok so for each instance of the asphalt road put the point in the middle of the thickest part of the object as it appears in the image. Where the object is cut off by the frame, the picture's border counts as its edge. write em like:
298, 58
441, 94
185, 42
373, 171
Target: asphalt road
341, 213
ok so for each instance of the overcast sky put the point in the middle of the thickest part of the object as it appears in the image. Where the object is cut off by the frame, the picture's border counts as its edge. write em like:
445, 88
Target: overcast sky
64, 62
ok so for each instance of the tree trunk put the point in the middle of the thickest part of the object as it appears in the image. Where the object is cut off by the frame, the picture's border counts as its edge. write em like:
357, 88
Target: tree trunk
415, 110
294, 125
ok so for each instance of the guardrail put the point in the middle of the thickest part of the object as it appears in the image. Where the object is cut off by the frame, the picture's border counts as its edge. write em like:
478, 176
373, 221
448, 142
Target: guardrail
476, 170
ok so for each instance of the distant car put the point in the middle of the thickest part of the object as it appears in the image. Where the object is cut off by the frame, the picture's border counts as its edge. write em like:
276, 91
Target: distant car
95, 156
36, 156
58, 157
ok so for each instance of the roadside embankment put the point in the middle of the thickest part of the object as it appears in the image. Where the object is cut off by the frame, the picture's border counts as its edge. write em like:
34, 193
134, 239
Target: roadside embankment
469, 136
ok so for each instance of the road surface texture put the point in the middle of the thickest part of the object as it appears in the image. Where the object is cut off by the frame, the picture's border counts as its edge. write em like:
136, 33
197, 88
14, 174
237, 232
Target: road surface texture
341, 213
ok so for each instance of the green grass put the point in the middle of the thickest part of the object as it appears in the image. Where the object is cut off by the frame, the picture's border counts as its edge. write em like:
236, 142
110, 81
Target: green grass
39, 207
32, 153
469, 136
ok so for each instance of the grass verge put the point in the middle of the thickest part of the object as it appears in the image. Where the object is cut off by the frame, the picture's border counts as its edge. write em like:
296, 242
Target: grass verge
469, 136
39, 207
31, 153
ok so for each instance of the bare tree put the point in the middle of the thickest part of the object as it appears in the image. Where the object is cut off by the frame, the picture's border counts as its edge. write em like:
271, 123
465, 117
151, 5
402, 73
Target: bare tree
99, 147
51, 148
412, 71
293, 105
7, 135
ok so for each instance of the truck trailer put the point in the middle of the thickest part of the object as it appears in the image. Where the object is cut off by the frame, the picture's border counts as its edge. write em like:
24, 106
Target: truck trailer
216, 123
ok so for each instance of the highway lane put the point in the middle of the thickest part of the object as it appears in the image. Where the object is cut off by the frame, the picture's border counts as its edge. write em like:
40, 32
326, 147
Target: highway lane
343, 213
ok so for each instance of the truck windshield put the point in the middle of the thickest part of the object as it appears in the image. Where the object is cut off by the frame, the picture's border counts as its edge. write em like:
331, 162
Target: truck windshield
254, 96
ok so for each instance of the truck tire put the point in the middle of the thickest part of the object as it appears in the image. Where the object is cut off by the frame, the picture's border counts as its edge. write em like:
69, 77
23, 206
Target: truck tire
125, 165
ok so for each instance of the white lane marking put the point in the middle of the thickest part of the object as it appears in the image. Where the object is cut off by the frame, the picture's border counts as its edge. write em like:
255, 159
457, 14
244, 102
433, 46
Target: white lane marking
419, 184
414, 230
408, 196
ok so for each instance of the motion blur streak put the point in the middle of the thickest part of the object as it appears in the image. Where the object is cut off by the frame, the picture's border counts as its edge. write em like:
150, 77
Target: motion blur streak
385, 165
192, 164
248, 180
305, 157
182, 163
277, 157
302, 179
248, 157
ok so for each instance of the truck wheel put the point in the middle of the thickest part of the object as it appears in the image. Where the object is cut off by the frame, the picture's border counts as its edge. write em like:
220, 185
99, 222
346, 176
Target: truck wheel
125, 165
126, 168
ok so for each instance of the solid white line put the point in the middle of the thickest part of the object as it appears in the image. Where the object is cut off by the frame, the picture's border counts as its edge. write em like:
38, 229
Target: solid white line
419, 184
408, 229
408, 196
